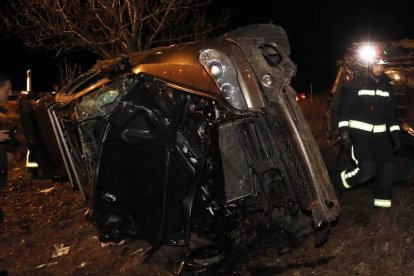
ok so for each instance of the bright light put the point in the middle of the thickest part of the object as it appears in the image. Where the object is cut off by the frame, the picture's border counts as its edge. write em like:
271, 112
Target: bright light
367, 53
216, 70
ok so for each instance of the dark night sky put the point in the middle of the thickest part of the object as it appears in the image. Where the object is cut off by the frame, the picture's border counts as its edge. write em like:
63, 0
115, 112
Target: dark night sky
319, 33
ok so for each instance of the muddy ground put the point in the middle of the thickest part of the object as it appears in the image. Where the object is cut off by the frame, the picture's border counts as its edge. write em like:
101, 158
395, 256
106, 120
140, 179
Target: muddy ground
46, 232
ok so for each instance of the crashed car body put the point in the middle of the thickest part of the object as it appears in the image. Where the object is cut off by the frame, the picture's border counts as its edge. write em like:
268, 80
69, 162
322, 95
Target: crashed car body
199, 136
400, 69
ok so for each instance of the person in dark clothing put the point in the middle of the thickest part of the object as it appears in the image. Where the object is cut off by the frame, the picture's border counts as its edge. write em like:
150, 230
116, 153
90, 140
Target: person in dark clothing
5, 92
369, 128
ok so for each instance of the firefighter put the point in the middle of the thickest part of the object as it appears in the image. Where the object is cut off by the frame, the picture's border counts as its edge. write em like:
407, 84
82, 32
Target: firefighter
369, 128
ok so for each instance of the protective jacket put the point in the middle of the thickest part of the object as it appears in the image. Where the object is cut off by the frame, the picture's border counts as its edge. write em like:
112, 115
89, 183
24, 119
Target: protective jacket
367, 116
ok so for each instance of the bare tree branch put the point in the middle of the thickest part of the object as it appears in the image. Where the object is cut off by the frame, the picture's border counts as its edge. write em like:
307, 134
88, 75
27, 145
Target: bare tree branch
68, 71
107, 27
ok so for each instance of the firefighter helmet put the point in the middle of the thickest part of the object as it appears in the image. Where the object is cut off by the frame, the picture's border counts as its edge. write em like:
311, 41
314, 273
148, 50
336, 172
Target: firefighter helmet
380, 57
372, 54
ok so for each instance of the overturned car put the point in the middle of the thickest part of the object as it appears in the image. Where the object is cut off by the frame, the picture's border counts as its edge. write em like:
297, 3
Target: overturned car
204, 136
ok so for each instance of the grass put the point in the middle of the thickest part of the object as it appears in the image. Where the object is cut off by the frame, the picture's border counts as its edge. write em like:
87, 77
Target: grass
366, 241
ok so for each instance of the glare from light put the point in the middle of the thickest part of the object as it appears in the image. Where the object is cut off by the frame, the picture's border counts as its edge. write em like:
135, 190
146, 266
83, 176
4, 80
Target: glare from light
367, 53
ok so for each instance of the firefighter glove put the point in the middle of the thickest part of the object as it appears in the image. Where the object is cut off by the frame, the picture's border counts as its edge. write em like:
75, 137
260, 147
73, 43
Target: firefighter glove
395, 135
345, 139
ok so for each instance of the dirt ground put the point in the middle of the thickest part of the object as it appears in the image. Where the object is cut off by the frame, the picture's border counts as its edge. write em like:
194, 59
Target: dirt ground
46, 232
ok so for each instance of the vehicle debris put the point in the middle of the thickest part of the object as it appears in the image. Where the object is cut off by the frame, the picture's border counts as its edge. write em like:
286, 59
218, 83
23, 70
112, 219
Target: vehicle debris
46, 191
60, 250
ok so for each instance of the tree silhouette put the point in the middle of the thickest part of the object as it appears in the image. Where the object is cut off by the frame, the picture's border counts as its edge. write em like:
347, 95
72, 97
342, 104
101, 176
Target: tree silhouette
107, 27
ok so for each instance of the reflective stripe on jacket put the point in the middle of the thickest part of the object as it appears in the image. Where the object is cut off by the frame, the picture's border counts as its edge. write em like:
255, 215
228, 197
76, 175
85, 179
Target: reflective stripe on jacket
367, 105
385, 203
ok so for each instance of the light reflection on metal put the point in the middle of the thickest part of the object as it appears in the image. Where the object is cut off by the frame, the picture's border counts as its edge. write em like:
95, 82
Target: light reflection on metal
267, 80
29, 81
65, 152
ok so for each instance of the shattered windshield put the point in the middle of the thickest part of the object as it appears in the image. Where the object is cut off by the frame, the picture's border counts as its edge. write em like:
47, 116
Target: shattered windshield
93, 111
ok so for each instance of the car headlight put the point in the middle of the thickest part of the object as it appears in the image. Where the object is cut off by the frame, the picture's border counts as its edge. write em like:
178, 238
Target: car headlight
222, 71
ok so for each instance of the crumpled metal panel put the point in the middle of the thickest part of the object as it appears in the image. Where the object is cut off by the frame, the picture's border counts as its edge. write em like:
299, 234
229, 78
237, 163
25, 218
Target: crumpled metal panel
281, 101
